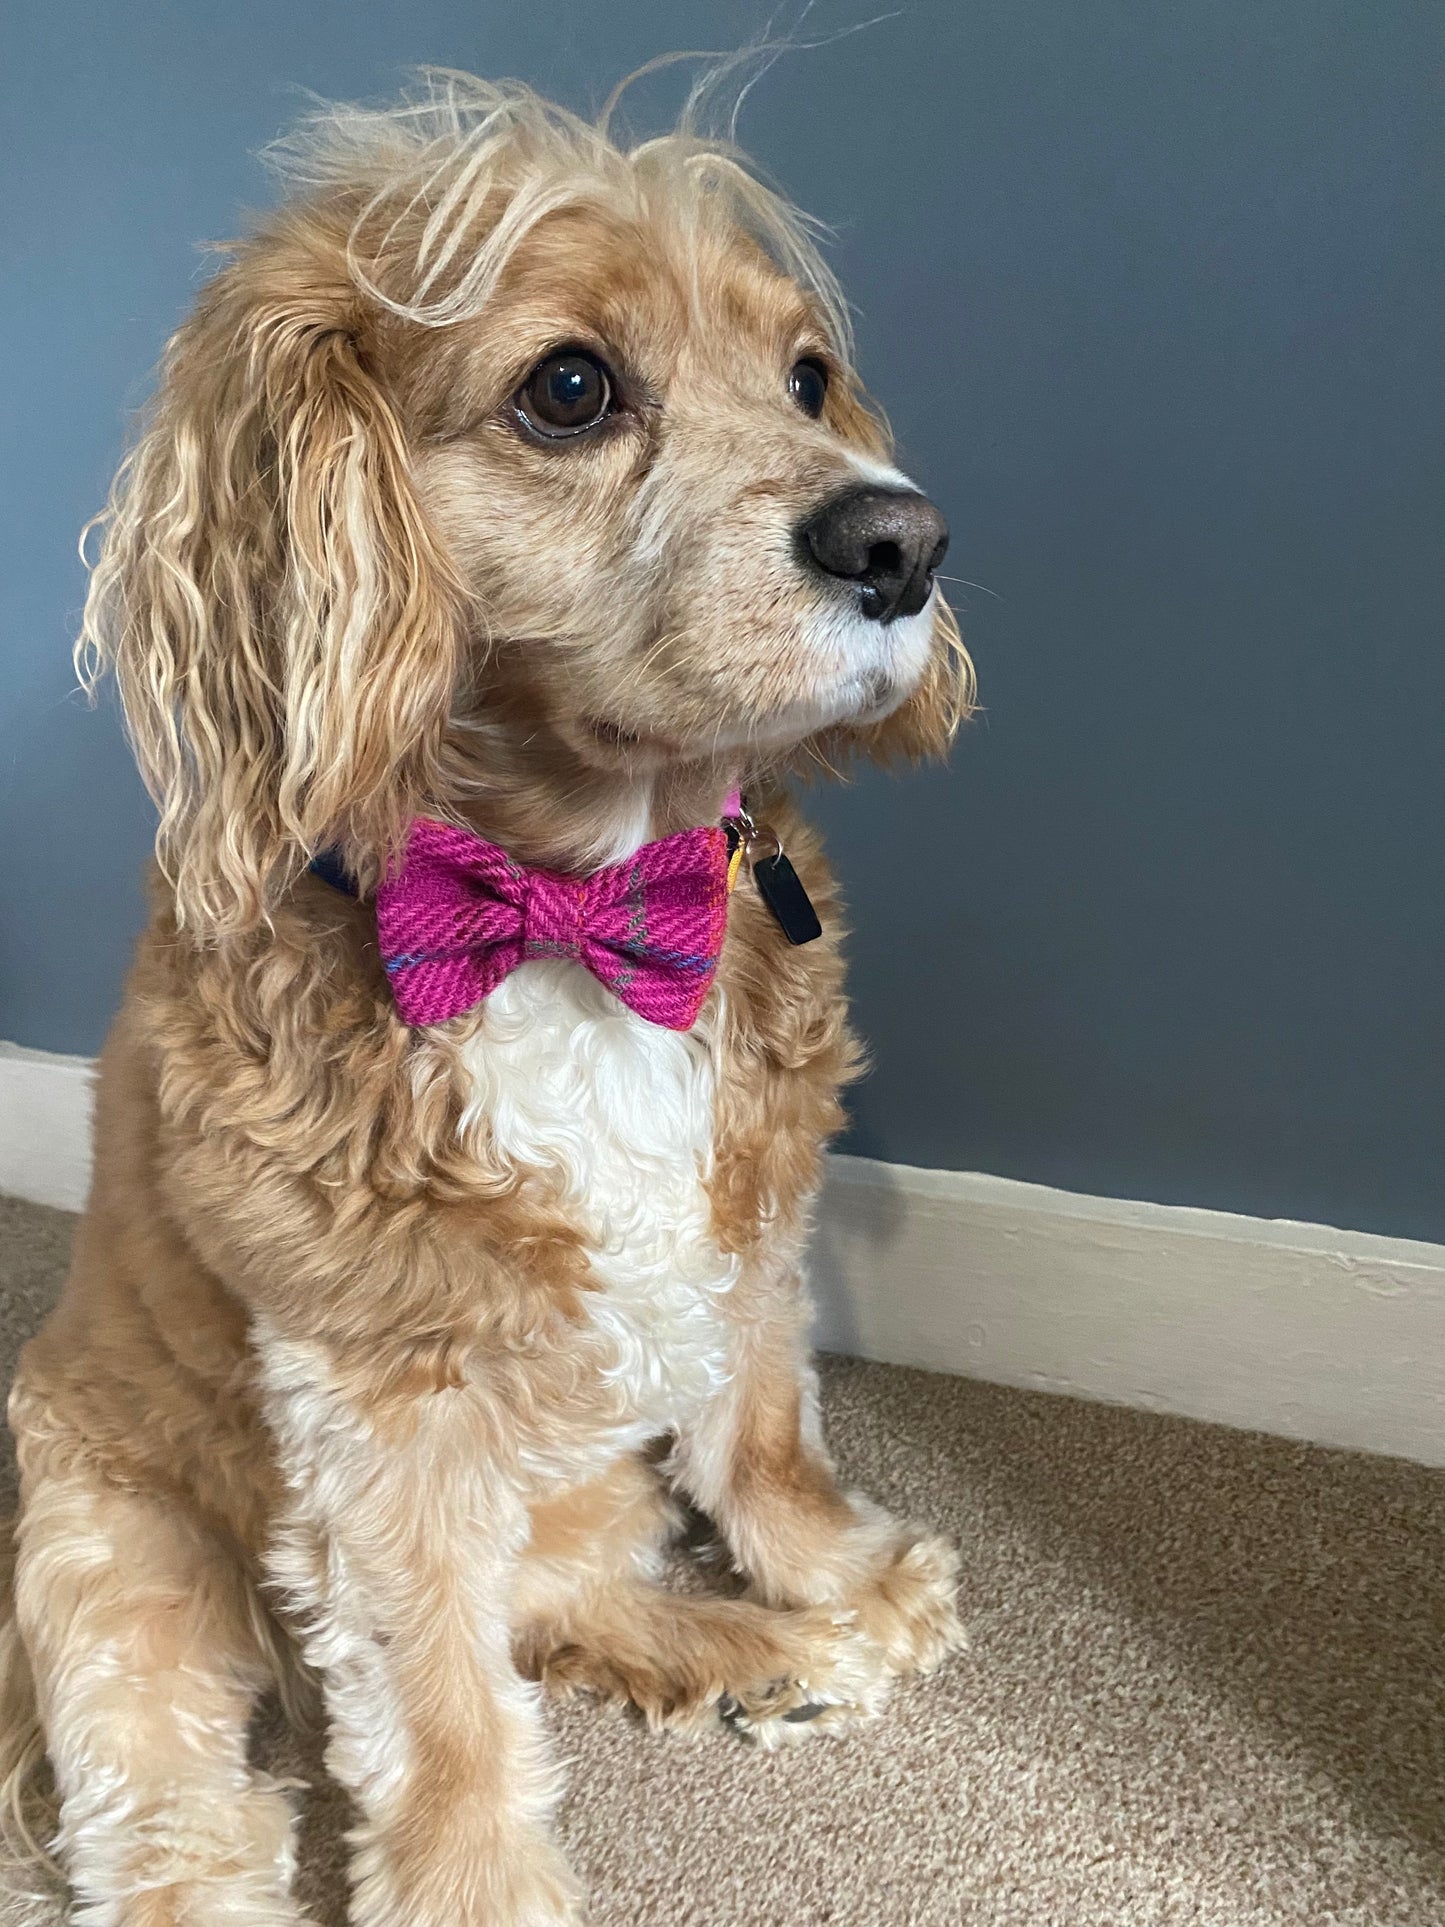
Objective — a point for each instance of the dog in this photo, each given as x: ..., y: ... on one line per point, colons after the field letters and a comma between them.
x: 509, y: 518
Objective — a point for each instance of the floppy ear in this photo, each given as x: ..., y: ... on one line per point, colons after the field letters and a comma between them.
x: 283, y: 627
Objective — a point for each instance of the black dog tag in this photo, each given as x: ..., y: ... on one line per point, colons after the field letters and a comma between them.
x: 782, y: 891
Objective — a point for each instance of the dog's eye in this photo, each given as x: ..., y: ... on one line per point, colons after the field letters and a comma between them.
x: 808, y: 385
x: 566, y: 394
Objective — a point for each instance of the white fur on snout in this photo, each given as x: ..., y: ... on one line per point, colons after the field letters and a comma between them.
x: 857, y: 655
x: 883, y: 474
x: 878, y: 664
x: 865, y: 668
x: 861, y: 671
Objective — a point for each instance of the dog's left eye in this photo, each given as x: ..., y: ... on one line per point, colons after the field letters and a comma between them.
x: 808, y: 385
x: 565, y: 395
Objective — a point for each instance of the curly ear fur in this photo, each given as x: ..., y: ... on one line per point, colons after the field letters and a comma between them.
x: 282, y: 625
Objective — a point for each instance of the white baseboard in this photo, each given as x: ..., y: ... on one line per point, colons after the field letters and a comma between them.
x: 45, y: 1112
x: 1333, y: 1336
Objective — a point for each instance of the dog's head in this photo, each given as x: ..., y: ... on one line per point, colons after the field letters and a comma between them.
x: 505, y: 470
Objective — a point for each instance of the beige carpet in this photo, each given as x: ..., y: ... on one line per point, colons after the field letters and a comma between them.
x: 1206, y: 1685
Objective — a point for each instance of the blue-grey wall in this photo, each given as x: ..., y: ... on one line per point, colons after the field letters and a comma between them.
x: 1154, y: 297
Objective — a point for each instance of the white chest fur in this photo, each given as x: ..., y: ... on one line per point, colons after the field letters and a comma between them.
x: 617, y: 1114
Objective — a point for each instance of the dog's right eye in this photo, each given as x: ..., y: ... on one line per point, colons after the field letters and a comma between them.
x: 565, y: 395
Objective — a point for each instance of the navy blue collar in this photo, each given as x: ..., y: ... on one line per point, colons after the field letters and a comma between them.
x: 327, y: 865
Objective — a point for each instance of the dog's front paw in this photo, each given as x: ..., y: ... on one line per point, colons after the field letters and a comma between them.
x: 840, y: 1679
x: 907, y: 1609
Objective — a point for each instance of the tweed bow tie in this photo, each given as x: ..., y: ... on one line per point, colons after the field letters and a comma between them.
x: 460, y: 916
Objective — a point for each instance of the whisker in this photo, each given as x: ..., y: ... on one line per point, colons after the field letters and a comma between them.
x: 964, y: 582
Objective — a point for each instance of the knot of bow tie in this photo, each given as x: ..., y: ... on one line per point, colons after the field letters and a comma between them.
x: 460, y: 915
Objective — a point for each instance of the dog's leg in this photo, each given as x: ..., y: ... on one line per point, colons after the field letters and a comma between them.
x: 398, y: 1554
x: 756, y: 1462
x: 141, y: 1635
x: 695, y: 1661
x: 591, y: 1615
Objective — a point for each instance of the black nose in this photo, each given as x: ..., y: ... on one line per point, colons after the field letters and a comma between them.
x: 887, y: 540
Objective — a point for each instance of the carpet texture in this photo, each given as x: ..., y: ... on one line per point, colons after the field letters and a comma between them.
x: 1206, y: 1684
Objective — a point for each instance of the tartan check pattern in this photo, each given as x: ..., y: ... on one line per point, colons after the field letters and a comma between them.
x: 460, y: 915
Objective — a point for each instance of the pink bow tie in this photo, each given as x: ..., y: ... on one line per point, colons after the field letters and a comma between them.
x: 460, y: 916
